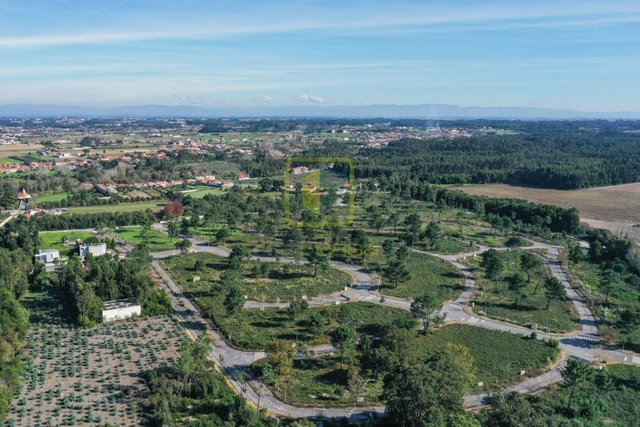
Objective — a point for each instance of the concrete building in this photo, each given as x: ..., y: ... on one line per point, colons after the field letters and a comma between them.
x: 95, y: 249
x: 48, y: 255
x: 120, y: 309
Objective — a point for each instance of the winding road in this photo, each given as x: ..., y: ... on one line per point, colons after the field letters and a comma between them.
x: 583, y: 345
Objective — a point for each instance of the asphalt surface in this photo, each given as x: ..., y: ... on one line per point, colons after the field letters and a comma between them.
x: 584, y: 345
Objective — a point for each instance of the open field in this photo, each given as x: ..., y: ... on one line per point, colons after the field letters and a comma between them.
x: 90, y: 376
x: 139, y: 193
x: 254, y: 328
x: 283, y: 282
x: 203, y: 191
x: 498, y: 358
x: 122, y: 207
x: 157, y: 240
x: 54, y: 241
x: 618, y: 205
x: 532, y: 304
x: 428, y: 275
x: 52, y: 197
x: 19, y: 149
x: 8, y: 161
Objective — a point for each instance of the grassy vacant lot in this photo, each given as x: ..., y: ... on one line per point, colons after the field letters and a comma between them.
x: 254, y: 327
x: 428, y: 275
x: 54, y: 240
x: 52, y: 197
x: 616, y: 203
x: 532, y: 305
x: 157, y: 240
x: 77, y: 376
x: 203, y: 191
x: 284, y: 282
x: 589, y: 275
x: 620, y: 405
x: 318, y: 381
x: 498, y: 357
x: 122, y: 207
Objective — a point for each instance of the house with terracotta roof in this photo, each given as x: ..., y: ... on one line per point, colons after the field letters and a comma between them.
x: 23, y: 195
x: 300, y: 169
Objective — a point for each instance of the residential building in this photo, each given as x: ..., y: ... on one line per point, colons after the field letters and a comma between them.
x: 48, y: 255
x: 95, y: 249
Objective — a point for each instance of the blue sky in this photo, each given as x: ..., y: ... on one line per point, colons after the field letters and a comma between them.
x: 555, y: 54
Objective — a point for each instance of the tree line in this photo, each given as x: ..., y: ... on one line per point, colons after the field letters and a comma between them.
x: 550, y: 160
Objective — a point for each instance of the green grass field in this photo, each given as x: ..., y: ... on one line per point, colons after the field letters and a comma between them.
x: 428, y: 275
x: 498, y: 358
x: 122, y: 207
x: 254, y: 327
x: 203, y: 191
x: 157, y: 240
x: 283, y: 283
x: 54, y: 240
x: 532, y: 307
x: 52, y: 197
x: 8, y: 161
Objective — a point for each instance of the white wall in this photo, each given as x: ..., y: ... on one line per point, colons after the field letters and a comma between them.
x: 120, y: 313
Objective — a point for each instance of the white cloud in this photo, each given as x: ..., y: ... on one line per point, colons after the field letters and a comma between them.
x: 309, y: 98
x: 198, y: 100
x: 265, y: 98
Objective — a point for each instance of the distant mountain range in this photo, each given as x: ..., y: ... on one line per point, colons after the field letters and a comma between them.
x: 423, y: 111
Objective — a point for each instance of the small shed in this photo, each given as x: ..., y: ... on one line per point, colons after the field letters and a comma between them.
x: 120, y: 309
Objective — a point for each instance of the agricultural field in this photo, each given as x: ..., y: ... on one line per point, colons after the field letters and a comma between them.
x: 428, y: 275
x: 532, y: 305
x: 203, y: 191
x: 19, y: 149
x: 498, y: 358
x: 157, y: 240
x: 138, y: 193
x: 8, y: 161
x: 90, y: 376
x: 52, y: 197
x: 283, y: 282
x: 121, y: 207
x: 54, y: 240
x: 618, y: 203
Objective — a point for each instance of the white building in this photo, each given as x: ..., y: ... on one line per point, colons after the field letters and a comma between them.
x: 48, y: 255
x: 120, y: 309
x: 95, y: 249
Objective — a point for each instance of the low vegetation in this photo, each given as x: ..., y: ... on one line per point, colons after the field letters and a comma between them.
x: 495, y: 295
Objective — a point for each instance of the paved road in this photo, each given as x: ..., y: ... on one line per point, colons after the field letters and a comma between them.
x: 584, y: 346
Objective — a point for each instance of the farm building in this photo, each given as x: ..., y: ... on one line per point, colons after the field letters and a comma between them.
x: 95, y: 249
x: 48, y: 255
x: 120, y: 309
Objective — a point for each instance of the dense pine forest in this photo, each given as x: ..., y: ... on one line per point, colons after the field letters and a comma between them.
x: 550, y: 160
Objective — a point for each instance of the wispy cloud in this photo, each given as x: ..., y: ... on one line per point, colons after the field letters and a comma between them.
x: 359, y: 17
x: 266, y: 98
x: 309, y: 98
x: 189, y: 100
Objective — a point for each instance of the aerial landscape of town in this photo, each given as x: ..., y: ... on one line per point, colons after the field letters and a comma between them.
x: 313, y: 214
